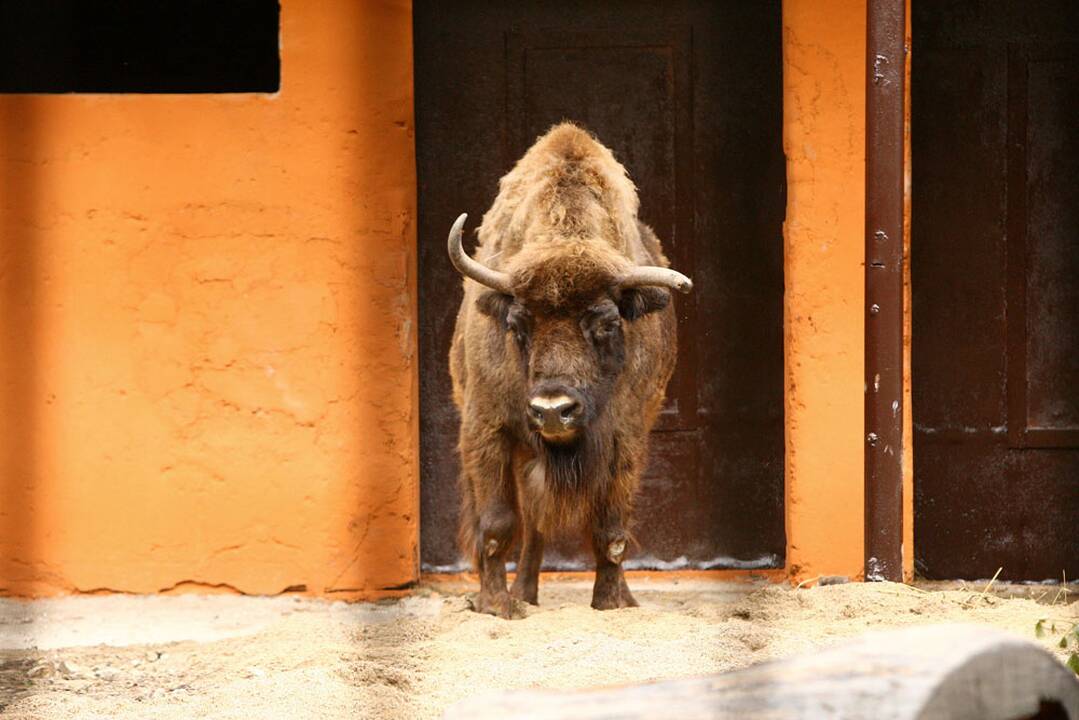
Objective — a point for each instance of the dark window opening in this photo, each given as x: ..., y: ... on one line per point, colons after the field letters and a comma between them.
x: 139, y: 46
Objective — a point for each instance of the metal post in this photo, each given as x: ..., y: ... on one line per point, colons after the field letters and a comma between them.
x: 885, y: 33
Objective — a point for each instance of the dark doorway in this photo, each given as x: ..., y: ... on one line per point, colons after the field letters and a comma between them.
x: 995, y: 272
x: 688, y: 95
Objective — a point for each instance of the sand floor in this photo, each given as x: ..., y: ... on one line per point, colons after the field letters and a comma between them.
x: 239, y: 657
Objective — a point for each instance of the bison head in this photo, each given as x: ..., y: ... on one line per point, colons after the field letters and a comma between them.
x: 567, y: 306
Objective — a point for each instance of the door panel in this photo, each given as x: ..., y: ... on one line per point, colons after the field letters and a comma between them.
x: 995, y: 274
x: 688, y: 96
x: 1043, y: 262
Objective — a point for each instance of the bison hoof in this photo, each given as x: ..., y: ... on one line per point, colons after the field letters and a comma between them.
x: 618, y: 597
x: 498, y: 604
x: 526, y: 594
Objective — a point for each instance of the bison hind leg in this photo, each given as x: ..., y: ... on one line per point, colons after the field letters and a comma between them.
x: 526, y: 584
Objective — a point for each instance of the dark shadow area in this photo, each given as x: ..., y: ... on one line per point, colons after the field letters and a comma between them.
x: 1050, y: 710
x: 19, y: 382
x: 138, y: 46
x: 379, y: 121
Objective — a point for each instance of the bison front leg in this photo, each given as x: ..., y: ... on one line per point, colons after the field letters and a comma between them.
x: 495, y: 537
x: 609, y: 543
x: 494, y: 524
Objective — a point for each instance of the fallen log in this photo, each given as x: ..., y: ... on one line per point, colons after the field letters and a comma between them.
x: 945, y: 672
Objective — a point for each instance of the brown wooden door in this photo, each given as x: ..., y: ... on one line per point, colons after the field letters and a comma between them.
x: 995, y: 271
x: 688, y: 96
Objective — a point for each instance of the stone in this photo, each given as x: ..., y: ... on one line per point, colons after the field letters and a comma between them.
x: 107, y: 673
x: 41, y: 670
x: 71, y: 670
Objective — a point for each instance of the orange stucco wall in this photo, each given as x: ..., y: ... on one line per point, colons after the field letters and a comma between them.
x: 824, y: 140
x: 207, y: 303
x: 207, y: 367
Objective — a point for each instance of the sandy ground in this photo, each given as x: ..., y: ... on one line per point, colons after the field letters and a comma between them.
x: 238, y: 657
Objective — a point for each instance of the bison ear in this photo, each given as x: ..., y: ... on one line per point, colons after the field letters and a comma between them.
x: 638, y: 302
x: 496, y: 305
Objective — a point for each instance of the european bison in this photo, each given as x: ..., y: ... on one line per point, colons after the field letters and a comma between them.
x: 564, y: 344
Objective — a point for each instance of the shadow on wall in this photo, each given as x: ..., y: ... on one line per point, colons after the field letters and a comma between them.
x: 19, y: 385
x: 380, y: 239
x: 382, y: 158
x: 18, y: 346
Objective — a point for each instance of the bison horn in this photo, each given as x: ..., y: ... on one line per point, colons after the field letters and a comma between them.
x: 470, y: 268
x: 656, y: 276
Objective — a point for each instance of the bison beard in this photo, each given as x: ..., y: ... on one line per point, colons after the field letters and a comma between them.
x: 565, y: 466
x: 575, y: 473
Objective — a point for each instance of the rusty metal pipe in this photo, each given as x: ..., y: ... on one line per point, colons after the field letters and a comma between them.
x: 883, y: 439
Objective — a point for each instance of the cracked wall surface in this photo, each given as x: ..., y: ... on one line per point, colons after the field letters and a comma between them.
x: 207, y: 368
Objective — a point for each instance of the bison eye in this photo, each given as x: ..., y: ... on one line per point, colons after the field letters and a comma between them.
x: 496, y: 305
x: 603, y: 327
x: 517, y: 322
x: 607, y: 328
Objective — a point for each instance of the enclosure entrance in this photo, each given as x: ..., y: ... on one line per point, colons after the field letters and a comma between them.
x: 995, y: 273
x: 688, y: 95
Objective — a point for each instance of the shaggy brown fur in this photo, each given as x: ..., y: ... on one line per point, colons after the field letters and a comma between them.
x: 564, y: 227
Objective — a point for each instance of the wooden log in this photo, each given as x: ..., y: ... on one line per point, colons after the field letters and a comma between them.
x: 945, y: 672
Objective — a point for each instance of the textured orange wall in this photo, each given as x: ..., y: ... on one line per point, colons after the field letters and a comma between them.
x: 824, y: 140
x: 207, y: 372
x: 207, y: 368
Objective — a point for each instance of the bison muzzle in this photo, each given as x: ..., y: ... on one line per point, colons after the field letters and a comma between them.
x: 564, y: 344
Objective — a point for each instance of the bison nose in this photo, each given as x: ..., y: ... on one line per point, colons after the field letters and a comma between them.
x: 554, y: 414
